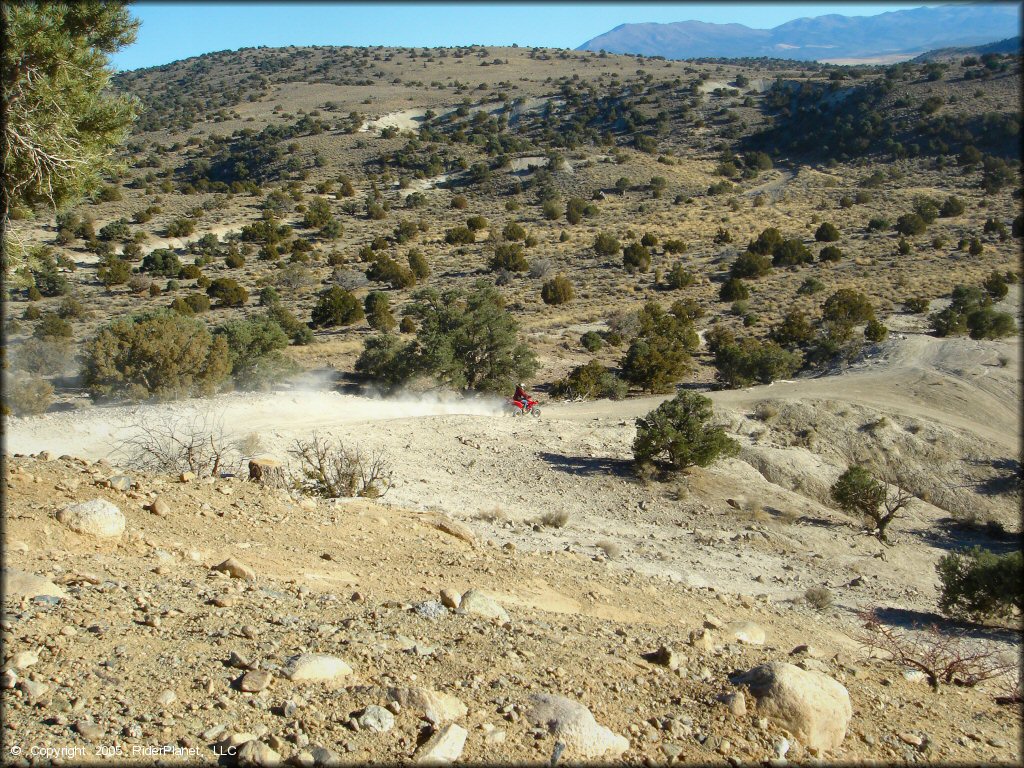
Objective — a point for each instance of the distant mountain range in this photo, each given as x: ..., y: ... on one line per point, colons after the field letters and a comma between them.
x: 829, y: 37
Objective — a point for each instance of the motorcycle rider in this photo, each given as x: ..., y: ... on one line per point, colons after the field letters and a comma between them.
x: 521, y: 396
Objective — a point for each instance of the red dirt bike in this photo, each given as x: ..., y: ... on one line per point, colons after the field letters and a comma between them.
x: 518, y: 409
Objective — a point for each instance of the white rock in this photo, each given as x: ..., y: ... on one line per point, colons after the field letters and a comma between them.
x: 812, y: 706
x: 445, y: 746
x: 477, y: 603
x: 745, y: 631
x: 376, y: 719
x: 236, y: 569
x: 450, y: 598
x: 24, y: 659
x: 257, y: 753
x: 436, y: 707
x: 313, y: 667
x: 97, y: 517
x: 574, y: 725
x: 18, y: 583
x: 166, y: 697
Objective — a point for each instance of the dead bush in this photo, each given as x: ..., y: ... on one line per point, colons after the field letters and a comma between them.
x: 173, y: 443
x: 334, y: 470
x: 944, y: 656
x: 820, y: 598
x: 28, y: 395
x: 555, y: 519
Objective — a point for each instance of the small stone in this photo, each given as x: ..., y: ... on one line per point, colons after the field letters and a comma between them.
x: 8, y: 680
x: 712, y: 622
x: 450, y: 598
x: 32, y: 689
x: 445, y: 746
x: 237, y: 661
x: 430, y: 609
x: 781, y: 748
x: 324, y: 756
x: 376, y: 719
x: 736, y: 702
x: 702, y: 640
x: 187, y: 476
x: 807, y: 650
x: 497, y: 736
x: 911, y: 739
x: 454, y: 528
x: 254, y: 681
x: 312, y: 667
x: 88, y: 730
x: 666, y: 657
x: 160, y: 507
x: 166, y: 698
x: 120, y: 482
x: 236, y: 569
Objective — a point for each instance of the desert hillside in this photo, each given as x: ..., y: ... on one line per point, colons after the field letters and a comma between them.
x: 266, y: 499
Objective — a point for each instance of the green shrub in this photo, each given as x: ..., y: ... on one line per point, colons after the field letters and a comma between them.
x: 877, y: 224
x: 28, y: 395
x: 679, y: 277
x: 53, y: 326
x: 744, y: 362
x: 875, y: 331
x: 44, y: 357
x: 336, y: 306
x: 827, y: 233
x: 514, y: 231
x: 254, y: 346
x: 162, y: 262
x: 459, y: 236
x: 378, y: 312
x: 589, y: 381
x: 750, y: 264
x: 418, y: 265
x: 995, y: 286
x: 234, y: 260
x: 558, y: 290
x: 911, y: 224
x: 180, y: 228
x: 660, y: 354
x: 476, y: 223
x: 856, y: 491
x: 674, y: 246
x: 464, y: 341
x: 227, y: 292
x: 987, y: 323
x: 847, y: 306
x: 734, y: 289
x: 606, y: 245
x: 384, y: 269
x: 795, y: 329
x: 917, y: 305
x: 296, y: 330
x: 791, y: 252
x: 636, y: 257
x: 979, y: 584
x: 509, y: 256
x: 679, y: 433
x: 113, y: 271
x: 591, y: 341
x: 952, y: 206
x: 830, y: 253
x: 158, y: 354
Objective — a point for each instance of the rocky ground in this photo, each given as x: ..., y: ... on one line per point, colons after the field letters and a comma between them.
x: 223, y: 621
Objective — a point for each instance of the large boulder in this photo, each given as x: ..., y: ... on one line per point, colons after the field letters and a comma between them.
x: 573, y: 724
x: 812, y: 706
x: 97, y: 517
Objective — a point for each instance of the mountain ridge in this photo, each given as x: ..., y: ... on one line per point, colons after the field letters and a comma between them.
x: 890, y: 33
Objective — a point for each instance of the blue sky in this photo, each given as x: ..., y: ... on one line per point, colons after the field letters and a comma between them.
x: 177, y: 30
